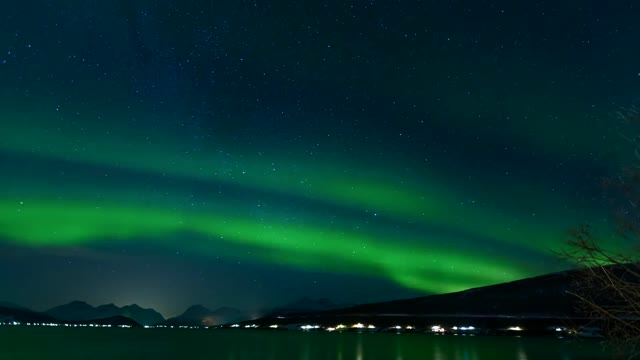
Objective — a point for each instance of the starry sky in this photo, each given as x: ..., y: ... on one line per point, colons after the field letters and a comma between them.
x: 249, y: 153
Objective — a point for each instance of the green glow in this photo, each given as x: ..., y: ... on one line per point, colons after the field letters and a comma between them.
x: 430, y: 262
x: 171, y: 144
x: 429, y: 202
x: 51, y: 223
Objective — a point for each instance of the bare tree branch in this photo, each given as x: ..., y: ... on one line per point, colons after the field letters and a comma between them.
x: 607, y: 285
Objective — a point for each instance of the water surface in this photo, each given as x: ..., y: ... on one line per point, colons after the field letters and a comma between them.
x: 65, y: 343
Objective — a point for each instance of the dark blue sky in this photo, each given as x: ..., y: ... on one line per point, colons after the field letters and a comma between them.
x: 250, y: 153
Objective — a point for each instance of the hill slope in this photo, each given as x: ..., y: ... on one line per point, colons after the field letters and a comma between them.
x: 21, y: 315
x: 542, y: 296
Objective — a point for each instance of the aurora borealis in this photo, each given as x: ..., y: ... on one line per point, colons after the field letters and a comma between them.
x: 250, y: 153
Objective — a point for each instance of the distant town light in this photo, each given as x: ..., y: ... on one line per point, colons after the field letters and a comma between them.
x: 341, y: 326
x: 514, y: 328
x: 331, y: 329
x: 409, y: 327
x: 371, y: 327
x: 273, y: 326
x: 437, y: 329
x: 358, y: 326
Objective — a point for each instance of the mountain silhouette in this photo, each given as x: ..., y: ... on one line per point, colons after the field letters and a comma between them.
x: 535, y: 302
x: 198, y: 315
x: 22, y: 315
x: 81, y: 311
x: 10, y: 305
x: 306, y: 304
x: 541, y: 296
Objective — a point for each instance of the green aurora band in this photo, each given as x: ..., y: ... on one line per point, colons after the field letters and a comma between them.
x: 431, y: 262
x: 73, y: 224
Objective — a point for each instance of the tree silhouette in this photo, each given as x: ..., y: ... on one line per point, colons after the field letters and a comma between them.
x: 608, y: 284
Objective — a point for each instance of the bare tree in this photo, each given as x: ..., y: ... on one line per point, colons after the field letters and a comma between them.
x: 608, y: 284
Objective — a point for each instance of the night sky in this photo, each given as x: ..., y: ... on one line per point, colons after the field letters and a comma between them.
x: 249, y: 153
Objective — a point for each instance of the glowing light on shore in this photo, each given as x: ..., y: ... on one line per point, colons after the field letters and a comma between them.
x: 309, y: 327
x: 437, y: 329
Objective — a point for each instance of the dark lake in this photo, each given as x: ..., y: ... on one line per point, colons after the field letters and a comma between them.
x: 61, y: 343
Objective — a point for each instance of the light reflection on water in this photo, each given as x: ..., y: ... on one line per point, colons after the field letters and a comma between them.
x: 360, y: 346
x: 398, y: 352
x: 340, y: 353
x: 522, y: 355
x: 306, y: 352
x: 282, y: 345
x: 463, y: 352
x: 437, y: 352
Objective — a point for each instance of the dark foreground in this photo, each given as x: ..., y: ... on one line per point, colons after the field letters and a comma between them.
x: 99, y: 343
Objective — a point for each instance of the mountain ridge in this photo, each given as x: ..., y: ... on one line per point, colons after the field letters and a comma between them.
x: 199, y: 315
x: 543, y: 299
x: 306, y: 304
x: 82, y: 311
